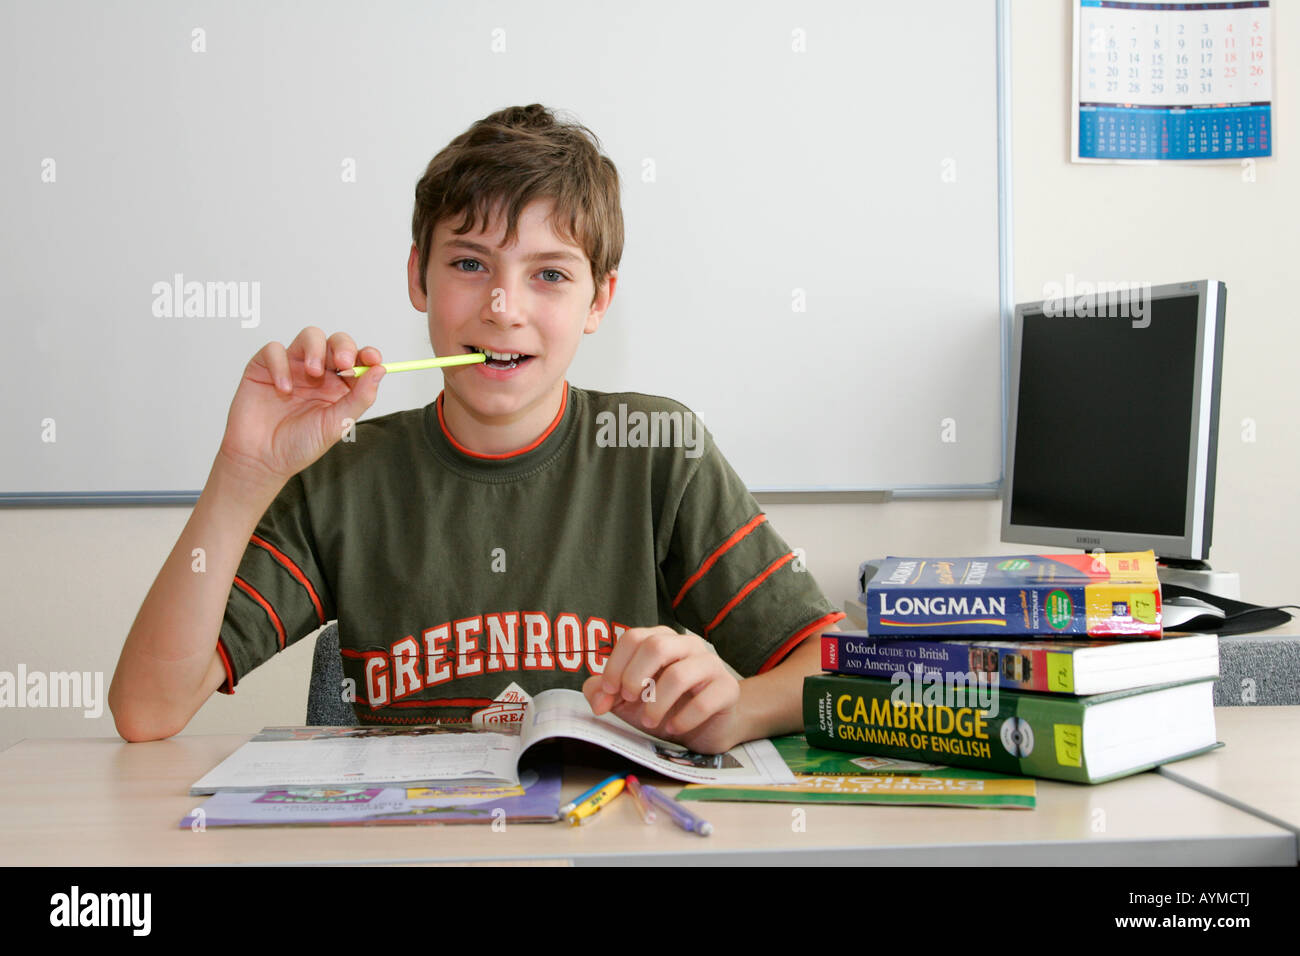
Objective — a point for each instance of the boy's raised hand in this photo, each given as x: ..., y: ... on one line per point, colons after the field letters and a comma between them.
x: 672, y: 686
x: 291, y: 407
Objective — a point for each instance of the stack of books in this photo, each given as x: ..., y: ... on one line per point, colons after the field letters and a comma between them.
x: 1049, y: 666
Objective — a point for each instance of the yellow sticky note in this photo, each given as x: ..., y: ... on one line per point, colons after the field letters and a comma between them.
x: 1060, y: 672
x: 1069, y: 744
x: 1142, y: 605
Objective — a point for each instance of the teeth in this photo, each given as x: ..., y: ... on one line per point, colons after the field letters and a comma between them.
x: 499, y: 356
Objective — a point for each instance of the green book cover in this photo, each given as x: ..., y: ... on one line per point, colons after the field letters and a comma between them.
x: 1037, y: 735
x: 803, y: 758
x: 831, y: 776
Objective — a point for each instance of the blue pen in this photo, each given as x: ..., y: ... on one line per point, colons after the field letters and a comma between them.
x: 569, y: 807
x: 680, y: 815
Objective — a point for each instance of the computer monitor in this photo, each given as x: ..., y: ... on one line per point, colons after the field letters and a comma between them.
x: 1113, y: 419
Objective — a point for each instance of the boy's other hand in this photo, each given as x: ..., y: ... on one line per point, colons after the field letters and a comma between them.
x: 672, y: 686
x: 291, y: 406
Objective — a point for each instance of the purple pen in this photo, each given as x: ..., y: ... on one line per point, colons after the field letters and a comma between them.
x: 680, y: 815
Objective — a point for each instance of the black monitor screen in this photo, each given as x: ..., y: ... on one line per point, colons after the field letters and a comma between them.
x: 1103, y: 427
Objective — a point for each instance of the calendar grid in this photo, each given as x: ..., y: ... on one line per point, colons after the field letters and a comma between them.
x: 1172, y: 81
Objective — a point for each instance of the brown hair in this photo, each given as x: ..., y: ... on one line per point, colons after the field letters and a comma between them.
x: 511, y: 158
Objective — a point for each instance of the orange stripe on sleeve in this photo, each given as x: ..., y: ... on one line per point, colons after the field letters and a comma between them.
x: 229, y: 686
x: 718, y: 552
x: 293, y: 570
x: 743, y: 593
x: 799, y: 637
x: 265, y: 605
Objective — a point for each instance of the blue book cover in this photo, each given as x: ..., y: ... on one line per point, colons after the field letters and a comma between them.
x: 1095, y: 595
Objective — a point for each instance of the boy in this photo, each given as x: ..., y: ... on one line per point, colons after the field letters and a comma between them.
x: 492, y: 544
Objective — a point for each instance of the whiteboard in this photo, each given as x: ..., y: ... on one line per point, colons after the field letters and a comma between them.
x: 815, y: 201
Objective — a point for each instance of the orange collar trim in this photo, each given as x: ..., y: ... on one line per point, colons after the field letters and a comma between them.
x: 442, y: 423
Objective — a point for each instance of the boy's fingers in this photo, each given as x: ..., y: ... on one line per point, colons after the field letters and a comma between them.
x: 633, y: 713
x: 712, y: 699
x: 277, y: 364
x: 341, y: 351
x: 309, y: 347
x: 630, y: 713
x: 363, y: 393
x: 354, y: 404
x: 612, y: 676
x: 600, y: 701
x: 652, y: 655
x: 673, y: 683
x: 346, y: 361
x: 368, y: 357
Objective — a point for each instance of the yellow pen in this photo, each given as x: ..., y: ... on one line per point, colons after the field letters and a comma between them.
x: 582, y: 812
x: 468, y: 358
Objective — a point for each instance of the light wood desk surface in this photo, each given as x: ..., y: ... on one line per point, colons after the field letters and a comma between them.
x: 100, y: 801
x: 1259, y: 768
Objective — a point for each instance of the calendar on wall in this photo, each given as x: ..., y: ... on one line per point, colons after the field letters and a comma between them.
x: 1172, y: 81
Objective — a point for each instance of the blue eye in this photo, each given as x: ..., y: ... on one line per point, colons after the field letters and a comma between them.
x: 560, y: 276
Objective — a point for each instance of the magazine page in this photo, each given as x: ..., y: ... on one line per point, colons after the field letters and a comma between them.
x: 536, y: 799
x: 566, y: 713
x: 341, y: 757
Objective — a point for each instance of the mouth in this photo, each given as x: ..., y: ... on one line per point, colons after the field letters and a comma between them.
x: 500, y: 360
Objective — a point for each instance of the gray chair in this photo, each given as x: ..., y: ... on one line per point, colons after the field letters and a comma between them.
x: 1261, y: 669
x: 325, y: 704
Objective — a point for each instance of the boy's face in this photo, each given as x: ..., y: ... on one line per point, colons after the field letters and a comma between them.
x: 535, y: 298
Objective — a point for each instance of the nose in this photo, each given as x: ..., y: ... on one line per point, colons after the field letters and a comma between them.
x: 504, y: 307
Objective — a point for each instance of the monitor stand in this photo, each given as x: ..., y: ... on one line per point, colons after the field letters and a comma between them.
x: 1199, y: 575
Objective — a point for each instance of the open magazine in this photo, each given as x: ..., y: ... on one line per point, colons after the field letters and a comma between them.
x: 432, y: 754
x: 535, y: 800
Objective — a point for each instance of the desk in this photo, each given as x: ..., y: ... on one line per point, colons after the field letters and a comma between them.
x: 1258, y: 770
x: 87, y: 802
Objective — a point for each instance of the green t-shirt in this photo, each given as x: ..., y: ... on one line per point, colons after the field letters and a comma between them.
x: 459, y: 580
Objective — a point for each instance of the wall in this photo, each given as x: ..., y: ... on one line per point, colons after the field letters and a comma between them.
x: 74, y: 579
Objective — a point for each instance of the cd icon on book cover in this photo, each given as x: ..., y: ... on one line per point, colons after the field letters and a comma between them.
x: 1017, y: 737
